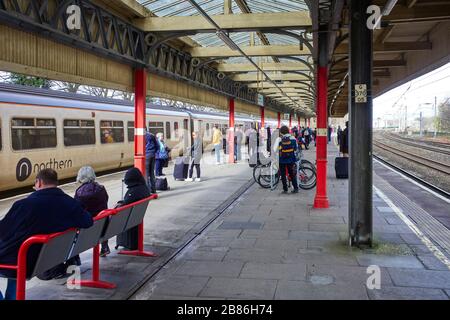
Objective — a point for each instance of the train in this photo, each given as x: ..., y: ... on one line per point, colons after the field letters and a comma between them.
x: 41, y: 128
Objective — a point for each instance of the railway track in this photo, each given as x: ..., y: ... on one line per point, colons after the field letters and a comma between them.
x: 439, y: 147
x: 432, y: 164
x: 414, y: 177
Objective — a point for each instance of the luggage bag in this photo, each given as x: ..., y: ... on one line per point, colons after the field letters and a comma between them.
x: 341, y: 167
x: 180, y: 170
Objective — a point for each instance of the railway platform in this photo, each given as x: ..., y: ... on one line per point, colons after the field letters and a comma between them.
x: 276, y: 246
x: 227, y: 238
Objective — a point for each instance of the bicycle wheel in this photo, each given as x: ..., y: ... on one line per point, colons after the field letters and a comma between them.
x: 308, y: 164
x: 306, y: 178
x: 267, y: 177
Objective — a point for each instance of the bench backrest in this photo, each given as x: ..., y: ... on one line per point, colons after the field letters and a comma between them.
x: 54, y: 252
x: 75, y: 241
x: 137, y: 215
x: 88, y: 238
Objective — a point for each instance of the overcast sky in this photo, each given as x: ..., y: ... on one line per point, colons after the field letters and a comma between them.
x: 417, y: 94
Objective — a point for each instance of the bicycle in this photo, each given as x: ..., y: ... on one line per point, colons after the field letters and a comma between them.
x: 267, y: 175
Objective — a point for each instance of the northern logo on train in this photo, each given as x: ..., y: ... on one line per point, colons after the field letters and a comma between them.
x: 23, y: 169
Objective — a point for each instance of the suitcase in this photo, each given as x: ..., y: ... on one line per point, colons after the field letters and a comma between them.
x: 180, y: 170
x: 341, y: 167
x: 161, y: 184
x: 128, y: 239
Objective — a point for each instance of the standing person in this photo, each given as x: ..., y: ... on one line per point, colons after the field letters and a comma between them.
x: 239, y: 139
x: 45, y: 211
x: 329, y: 133
x: 151, y: 146
x: 307, y: 136
x: 339, y: 133
x: 217, y: 141
x: 343, y: 147
x: 314, y: 134
x: 93, y: 197
x: 287, y: 148
x: 161, y: 155
x: 137, y: 189
x: 196, y: 156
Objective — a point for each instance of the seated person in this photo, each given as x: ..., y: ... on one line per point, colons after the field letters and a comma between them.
x: 45, y: 211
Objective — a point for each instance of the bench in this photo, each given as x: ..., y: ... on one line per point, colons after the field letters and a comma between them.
x: 59, y: 247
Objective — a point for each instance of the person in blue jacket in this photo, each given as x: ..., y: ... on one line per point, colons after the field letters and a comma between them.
x: 287, y: 148
x: 45, y: 211
x: 151, y: 146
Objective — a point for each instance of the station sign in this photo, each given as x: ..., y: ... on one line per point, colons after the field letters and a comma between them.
x: 286, y: 116
x: 260, y: 100
x: 360, y: 93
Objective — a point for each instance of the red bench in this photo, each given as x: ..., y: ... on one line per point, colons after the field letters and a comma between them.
x: 59, y: 247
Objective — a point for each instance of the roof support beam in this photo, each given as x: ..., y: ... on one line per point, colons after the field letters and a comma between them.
x: 402, y: 14
x: 252, y: 51
x: 286, y: 84
x: 249, y: 77
x: 390, y: 47
x: 269, y: 66
x: 230, y: 22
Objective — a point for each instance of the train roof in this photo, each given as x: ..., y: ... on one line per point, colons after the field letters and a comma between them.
x: 43, y: 97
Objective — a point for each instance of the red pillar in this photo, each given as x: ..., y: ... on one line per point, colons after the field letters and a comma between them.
x: 298, y: 120
x: 279, y: 119
x: 140, y: 93
x: 262, y: 117
x: 321, y: 199
x: 305, y: 122
x: 290, y: 121
x: 140, y: 90
x: 231, y: 131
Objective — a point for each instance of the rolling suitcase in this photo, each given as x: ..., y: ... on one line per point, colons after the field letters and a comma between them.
x: 341, y: 167
x: 180, y: 170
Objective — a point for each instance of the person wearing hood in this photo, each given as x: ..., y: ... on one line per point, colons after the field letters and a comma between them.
x: 93, y: 197
x: 137, y: 189
x: 45, y: 211
x: 287, y: 153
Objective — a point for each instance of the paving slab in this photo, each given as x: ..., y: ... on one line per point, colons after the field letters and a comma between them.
x: 420, y: 278
x: 255, y: 289
x: 402, y: 293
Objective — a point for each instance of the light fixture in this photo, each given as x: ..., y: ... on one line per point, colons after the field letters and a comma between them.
x: 226, y: 39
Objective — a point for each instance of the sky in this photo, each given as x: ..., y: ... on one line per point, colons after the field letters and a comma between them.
x: 418, y: 95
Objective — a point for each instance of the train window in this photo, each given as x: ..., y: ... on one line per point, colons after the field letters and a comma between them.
x: 79, y: 132
x: 111, y: 131
x: 207, y: 129
x: 168, y: 133
x: 185, y: 124
x: 155, y: 127
x: 32, y: 133
x: 130, y: 128
x: 175, y: 129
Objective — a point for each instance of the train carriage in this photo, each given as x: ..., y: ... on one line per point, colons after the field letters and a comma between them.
x: 47, y: 129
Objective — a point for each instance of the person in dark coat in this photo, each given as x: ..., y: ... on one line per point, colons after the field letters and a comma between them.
x: 343, y: 147
x: 45, y: 211
x: 151, y: 146
x: 137, y: 190
x: 93, y: 197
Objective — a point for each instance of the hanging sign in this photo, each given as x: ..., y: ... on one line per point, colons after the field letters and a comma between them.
x: 260, y: 100
x: 360, y: 93
x: 286, y: 116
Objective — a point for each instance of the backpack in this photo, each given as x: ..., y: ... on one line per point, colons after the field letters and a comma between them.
x: 287, y: 148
